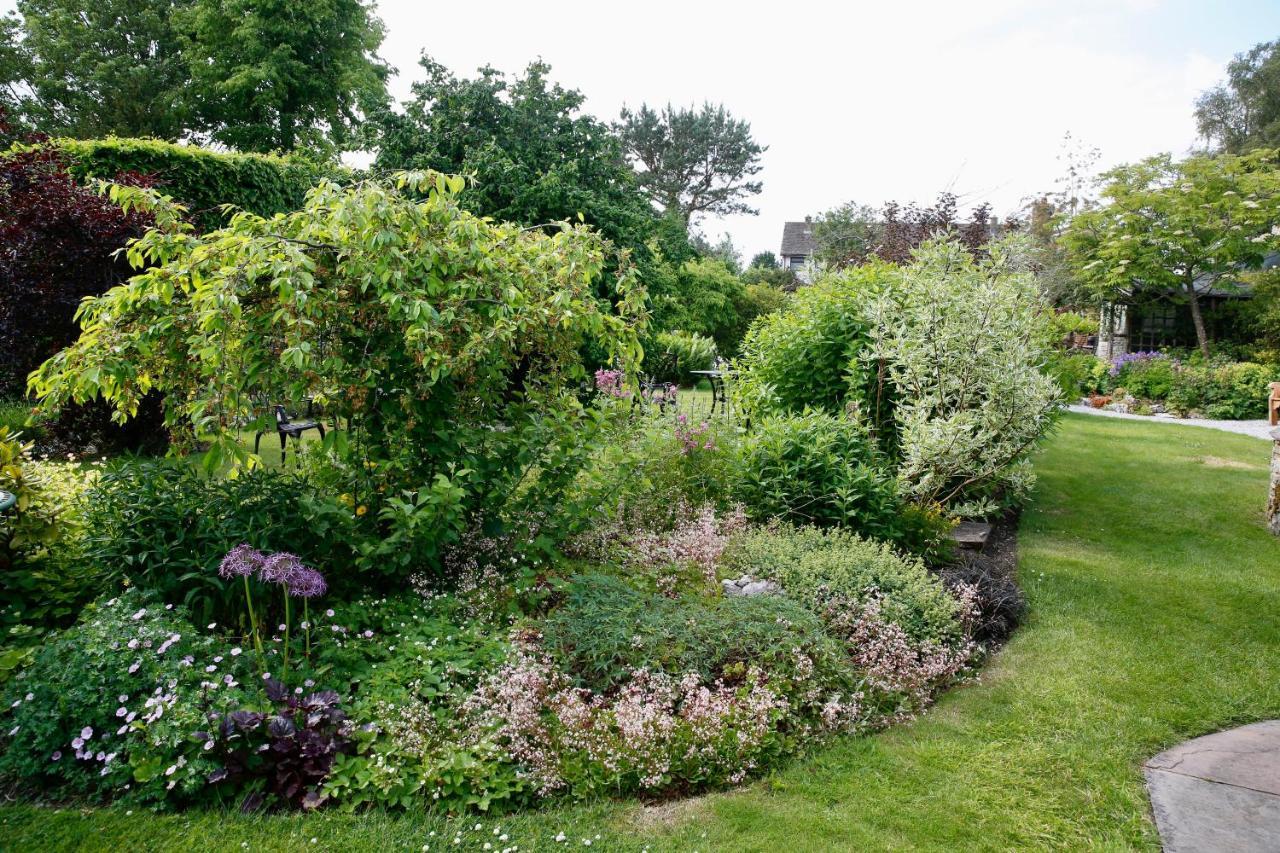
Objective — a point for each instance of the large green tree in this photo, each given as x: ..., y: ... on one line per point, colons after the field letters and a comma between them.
x: 695, y: 161
x: 1243, y: 112
x: 1179, y: 229
x: 534, y: 157
x: 80, y: 68
x: 275, y: 74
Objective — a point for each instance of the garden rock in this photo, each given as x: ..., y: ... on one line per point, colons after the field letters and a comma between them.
x: 748, y: 586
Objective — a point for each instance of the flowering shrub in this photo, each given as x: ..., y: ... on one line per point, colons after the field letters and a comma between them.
x: 901, y: 674
x: 612, y: 383
x: 1145, y: 375
x: 647, y: 477
x: 110, y: 706
x: 693, y: 438
x: 697, y: 543
x: 1124, y: 360
x: 656, y: 733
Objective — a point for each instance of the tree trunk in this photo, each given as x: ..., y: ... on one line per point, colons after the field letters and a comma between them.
x: 1202, y: 337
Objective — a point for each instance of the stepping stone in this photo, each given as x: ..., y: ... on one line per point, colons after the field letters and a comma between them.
x: 1219, y: 792
x: 971, y: 534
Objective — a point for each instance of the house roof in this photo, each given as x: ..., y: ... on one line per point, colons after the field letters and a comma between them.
x: 797, y: 239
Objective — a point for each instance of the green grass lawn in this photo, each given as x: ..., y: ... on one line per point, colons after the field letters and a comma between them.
x: 1155, y: 617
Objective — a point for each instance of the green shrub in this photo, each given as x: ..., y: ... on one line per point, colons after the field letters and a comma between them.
x: 817, y: 468
x: 1233, y: 391
x: 818, y: 567
x: 808, y: 355
x: 109, y: 706
x: 1078, y: 374
x: 201, y: 179
x: 43, y: 579
x: 166, y: 528
x: 1150, y: 378
x: 675, y: 355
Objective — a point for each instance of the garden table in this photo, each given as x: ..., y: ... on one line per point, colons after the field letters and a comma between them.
x: 7, y: 500
x: 717, y: 388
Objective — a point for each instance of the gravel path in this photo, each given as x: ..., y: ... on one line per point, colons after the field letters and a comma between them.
x: 1257, y: 429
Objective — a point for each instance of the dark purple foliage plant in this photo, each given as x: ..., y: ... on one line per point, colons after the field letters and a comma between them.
x: 281, y: 757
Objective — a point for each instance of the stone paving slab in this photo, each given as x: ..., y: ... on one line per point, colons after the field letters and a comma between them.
x: 1219, y: 792
x: 1257, y: 429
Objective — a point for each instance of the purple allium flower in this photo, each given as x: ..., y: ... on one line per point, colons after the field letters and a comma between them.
x: 240, y: 562
x: 280, y: 568
x: 307, y: 583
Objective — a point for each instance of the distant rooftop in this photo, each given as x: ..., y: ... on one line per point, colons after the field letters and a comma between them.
x: 797, y: 239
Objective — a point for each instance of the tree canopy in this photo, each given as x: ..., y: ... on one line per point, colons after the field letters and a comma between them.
x: 1178, y: 229
x: 256, y: 75
x: 531, y: 154
x: 695, y: 161
x: 1243, y: 112
x: 79, y: 68
x: 268, y: 75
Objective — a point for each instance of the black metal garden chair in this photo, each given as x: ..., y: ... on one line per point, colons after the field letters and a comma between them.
x: 288, y: 428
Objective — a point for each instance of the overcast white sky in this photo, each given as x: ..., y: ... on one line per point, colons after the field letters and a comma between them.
x: 868, y: 100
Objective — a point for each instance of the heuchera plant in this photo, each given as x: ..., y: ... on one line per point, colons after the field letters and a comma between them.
x: 285, y: 755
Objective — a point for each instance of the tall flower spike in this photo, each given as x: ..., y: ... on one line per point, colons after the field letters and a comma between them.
x: 280, y: 568
x: 307, y: 583
x: 240, y: 562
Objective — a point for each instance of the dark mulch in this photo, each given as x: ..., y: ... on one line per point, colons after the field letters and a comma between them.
x: 994, y: 571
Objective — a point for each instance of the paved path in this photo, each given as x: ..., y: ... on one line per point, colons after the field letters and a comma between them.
x: 1257, y: 429
x: 1219, y: 792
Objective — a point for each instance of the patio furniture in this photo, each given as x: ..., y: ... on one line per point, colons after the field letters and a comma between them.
x: 7, y: 500
x: 1273, y: 404
x: 288, y: 428
x: 716, y: 378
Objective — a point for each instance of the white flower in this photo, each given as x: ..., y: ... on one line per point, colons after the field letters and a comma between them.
x: 87, y: 733
x: 235, y: 652
x: 135, y: 617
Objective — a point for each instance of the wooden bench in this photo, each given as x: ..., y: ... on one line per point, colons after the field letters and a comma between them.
x: 1273, y: 404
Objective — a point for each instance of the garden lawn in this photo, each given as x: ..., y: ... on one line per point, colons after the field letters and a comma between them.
x: 1155, y: 617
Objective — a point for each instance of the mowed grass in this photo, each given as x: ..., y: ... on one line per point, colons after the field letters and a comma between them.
x: 1155, y: 617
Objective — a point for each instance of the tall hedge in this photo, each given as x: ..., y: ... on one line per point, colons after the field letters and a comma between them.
x: 199, y: 178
